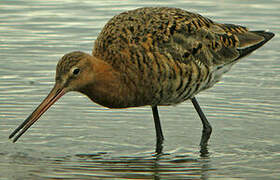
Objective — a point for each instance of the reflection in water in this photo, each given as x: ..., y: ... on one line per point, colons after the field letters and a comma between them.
x: 204, y: 153
x: 98, y: 165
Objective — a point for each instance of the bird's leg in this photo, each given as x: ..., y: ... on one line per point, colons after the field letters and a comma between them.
x: 159, y: 134
x: 207, y: 129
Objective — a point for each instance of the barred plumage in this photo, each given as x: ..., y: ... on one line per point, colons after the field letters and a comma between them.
x: 152, y: 56
x: 171, y: 54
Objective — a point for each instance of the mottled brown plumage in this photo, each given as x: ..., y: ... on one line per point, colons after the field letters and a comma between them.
x: 152, y: 56
x: 167, y: 55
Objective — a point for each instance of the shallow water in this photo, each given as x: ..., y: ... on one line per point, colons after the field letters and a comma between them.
x: 77, y: 139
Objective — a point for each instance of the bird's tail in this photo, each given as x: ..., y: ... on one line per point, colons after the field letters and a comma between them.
x: 251, y: 41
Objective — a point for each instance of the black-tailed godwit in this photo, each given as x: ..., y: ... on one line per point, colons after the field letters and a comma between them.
x: 152, y: 56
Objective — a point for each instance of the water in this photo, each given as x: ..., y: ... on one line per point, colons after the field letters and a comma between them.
x: 77, y: 139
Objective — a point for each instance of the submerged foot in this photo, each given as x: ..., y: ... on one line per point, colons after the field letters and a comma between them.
x: 206, y: 133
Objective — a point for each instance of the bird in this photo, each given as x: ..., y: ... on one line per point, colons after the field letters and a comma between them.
x: 152, y: 56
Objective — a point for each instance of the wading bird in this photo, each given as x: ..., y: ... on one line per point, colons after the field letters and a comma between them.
x: 152, y: 56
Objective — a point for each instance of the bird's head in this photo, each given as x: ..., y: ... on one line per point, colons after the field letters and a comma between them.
x: 74, y: 71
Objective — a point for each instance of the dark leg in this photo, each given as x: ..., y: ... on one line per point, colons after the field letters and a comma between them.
x: 207, y: 129
x: 158, y: 130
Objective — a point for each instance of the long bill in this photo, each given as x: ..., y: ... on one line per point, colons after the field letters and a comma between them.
x: 52, y: 97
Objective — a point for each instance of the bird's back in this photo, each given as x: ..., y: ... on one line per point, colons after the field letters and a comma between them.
x: 168, y: 55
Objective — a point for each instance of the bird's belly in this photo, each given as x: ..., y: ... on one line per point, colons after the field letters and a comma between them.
x: 176, y: 96
x: 190, y: 89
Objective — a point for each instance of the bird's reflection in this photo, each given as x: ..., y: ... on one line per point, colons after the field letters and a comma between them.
x: 203, y: 148
x: 147, y: 166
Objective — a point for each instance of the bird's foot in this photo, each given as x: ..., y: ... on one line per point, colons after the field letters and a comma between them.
x: 206, y: 133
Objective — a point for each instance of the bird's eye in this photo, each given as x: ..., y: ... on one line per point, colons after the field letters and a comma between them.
x: 76, y: 71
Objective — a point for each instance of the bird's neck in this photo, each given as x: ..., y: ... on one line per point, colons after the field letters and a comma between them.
x: 108, y: 88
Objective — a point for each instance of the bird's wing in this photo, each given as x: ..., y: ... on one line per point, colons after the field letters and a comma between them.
x: 213, y: 44
x: 181, y: 35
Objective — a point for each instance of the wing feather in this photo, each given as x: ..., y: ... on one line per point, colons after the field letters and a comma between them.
x: 176, y: 33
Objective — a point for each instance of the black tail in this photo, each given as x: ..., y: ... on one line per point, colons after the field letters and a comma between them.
x: 246, y: 51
